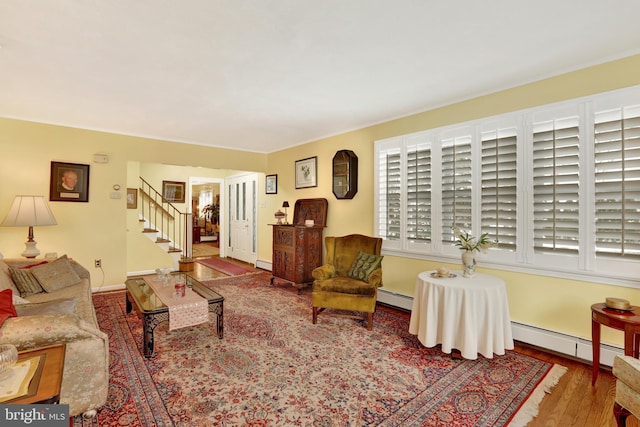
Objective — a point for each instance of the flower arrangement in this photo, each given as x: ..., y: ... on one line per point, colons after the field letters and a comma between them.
x: 467, y: 242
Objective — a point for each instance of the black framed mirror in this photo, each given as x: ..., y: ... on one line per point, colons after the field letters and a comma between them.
x: 345, y: 174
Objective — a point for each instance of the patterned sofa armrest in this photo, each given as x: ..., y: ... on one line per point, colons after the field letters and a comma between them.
x: 26, y: 332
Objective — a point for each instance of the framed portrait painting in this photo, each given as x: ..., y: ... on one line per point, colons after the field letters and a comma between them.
x: 69, y: 182
x: 272, y: 184
x: 307, y: 172
x: 173, y: 191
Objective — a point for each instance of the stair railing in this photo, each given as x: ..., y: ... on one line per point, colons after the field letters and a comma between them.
x: 161, y: 216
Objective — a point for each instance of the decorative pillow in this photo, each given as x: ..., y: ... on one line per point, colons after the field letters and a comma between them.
x: 25, y: 281
x: 56, y: 275
x: 6, y: 282
x: 7, y: 308
x: 364, y: 265
x: 58, y: 306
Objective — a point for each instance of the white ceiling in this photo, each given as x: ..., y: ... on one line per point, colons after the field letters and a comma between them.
x: 262, y: 75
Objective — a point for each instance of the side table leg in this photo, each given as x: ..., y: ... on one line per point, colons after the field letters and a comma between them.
x: 595, y: 345
x: 128, y: 302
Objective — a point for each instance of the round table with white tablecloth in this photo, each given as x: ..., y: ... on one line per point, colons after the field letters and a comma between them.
x: 467, y: 314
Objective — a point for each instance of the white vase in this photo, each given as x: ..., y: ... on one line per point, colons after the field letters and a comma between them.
x: 468, y: 264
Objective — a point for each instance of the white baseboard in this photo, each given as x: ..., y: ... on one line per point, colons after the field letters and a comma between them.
x: 264, y: 265
x: 555, y: 341
x: 395, y: 299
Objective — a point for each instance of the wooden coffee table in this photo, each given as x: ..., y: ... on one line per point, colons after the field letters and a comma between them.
x: 154, y: 312
x: 45, y: 385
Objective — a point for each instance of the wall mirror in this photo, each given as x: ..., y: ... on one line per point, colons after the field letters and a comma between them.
x: 345, y: 174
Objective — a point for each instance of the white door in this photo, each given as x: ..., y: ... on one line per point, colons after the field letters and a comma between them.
x: 240, y: 241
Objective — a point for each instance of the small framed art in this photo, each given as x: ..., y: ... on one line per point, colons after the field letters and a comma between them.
x: 132, y: 198
x: 307, y: 172
x: 272, y: 184
x: 173, y: 191
x: 69, y: 182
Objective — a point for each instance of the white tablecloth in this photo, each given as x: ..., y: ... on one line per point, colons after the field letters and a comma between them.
x: 470, y: 315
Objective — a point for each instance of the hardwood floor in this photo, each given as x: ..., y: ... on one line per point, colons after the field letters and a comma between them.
x: 572, y: 402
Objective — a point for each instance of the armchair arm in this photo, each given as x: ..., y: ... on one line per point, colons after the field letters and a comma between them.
x: 324, y: 272
x: 375, y: 278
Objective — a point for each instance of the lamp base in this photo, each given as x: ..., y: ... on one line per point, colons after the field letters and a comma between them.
x: 31, y: 251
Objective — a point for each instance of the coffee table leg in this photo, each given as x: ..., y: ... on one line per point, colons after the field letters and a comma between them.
x: 218, y: 309
x: 148, y: 325
x: 128, y: 302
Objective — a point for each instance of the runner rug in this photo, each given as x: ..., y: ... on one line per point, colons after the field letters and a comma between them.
x: 224, y: 266
x: 275, y: 368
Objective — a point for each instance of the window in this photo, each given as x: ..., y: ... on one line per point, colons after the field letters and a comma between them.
x: 617, y: 182
x: 558, y: 187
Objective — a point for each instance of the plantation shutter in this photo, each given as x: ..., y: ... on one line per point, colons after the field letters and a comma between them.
x: 617, y: 181
x: 418, y: 194
x: 390, y: 189
x: 499, y: 186
x: 555, y: 185
x: 456, y: 185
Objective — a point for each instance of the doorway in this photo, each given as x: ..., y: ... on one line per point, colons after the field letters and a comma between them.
x: 206, y: 207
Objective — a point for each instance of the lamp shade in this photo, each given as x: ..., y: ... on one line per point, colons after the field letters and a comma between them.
x: 285, y: 204
x: 29, y: 211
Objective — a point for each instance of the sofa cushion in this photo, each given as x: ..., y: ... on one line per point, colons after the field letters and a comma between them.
x: 56, y: 275
x: 364, y: 265
x: 7, y: 309
x: 58, y: 306
x: 6, y: 282
x: 25, y: 281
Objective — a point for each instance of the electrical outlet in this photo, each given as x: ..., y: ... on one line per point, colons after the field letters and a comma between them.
x: 98, y: 263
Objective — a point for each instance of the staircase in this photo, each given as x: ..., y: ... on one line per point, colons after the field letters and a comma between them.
x: 164, y: 224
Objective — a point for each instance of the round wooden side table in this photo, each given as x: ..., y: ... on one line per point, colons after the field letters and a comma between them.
x: 627, y: 321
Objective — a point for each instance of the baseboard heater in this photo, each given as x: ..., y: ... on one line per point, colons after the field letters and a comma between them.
x: 561, y: 343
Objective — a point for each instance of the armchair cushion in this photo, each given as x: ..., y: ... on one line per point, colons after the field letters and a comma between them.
x: 364, y: 265
x: 345, y: 285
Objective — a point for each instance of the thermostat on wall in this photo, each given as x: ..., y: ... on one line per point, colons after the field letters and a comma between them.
x: 100, y: 158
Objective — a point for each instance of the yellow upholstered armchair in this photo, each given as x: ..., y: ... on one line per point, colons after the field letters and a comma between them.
x: 350, y: 279
x: 626, y: 369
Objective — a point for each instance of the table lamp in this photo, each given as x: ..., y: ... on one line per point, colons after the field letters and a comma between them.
x: 29, y: 211
x: 285, y: 205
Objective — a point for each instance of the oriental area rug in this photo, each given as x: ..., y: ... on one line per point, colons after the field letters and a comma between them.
x: 227, y: 267
x: 275, y: 368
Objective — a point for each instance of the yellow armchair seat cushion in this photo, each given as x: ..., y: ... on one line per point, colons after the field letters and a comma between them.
x: 344, y: 285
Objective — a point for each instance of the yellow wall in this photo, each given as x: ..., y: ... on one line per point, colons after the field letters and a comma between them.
x: 550, y: 303
x: 99, y: 229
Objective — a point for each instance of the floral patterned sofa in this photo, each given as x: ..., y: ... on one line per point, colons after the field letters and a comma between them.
x: 53, y: 304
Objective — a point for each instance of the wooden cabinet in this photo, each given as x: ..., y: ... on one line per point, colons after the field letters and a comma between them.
x: 297, y: 249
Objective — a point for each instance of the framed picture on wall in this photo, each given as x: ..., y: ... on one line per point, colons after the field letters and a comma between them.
x: 69, y: 182
x: 173, y: 191
x: 132, y: 198
x: 272, y: 184
x: 307, y: 172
